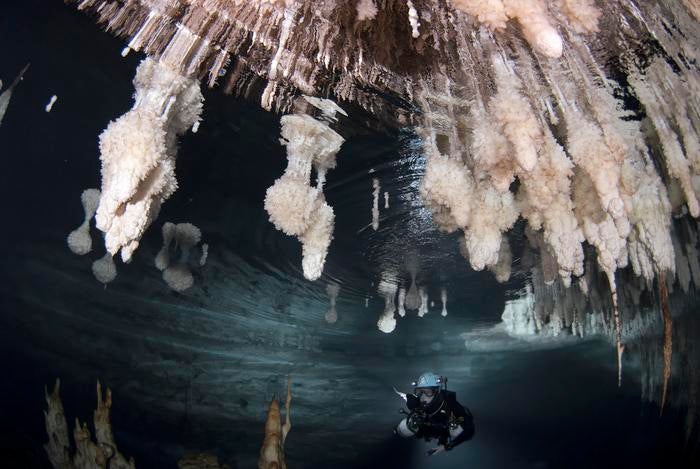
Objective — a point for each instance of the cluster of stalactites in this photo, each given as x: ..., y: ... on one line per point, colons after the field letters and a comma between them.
x: 638, y: 310
x: 295, y: 206
x: 399, y: 299
x: 584, y: 169
x: 317, y: 48
x: 138, y: 151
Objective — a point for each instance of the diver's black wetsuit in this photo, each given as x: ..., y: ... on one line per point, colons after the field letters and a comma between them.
x: 435, y: 420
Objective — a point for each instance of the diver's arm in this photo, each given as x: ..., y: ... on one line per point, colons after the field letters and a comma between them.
x: 459, y: 412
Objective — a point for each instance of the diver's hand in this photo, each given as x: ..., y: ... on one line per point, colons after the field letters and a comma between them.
x: 436, y: 450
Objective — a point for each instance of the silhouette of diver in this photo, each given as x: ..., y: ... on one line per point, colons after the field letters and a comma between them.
x: 434, y: 413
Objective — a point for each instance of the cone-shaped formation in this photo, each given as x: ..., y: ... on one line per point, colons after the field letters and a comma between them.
x: 272, y: 451
x: 88, y: 454
x: 7, y: 94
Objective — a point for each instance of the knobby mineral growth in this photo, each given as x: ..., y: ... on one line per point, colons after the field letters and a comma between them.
x: 580, y: 117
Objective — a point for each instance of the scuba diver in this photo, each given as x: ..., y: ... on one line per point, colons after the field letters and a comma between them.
x: 433, y: 412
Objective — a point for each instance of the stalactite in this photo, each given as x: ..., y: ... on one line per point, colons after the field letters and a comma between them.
x: 668, y: 338
x: 443, y: 299
x: 185, y: 237
x: 104, y: 269
x: 295, y: 206
x: 7, y: 94
x: 375, y: 204
x: 79, y: 240
x: 387, y: 289
x: 138, y: 154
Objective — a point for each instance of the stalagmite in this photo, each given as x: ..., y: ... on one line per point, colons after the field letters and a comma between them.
x: 295, y: 206
x: 138, y: 154
x: 89, y: 454
x: 332, y: 289
x: 272, y: 451
x: 386, y: 200
x: 79, y: 240
x: 58, y: 446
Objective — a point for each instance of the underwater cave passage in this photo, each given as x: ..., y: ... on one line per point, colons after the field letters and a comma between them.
x: 362, y: 234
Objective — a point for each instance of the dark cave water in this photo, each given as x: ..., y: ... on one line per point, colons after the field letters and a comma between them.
x: 195, y: 371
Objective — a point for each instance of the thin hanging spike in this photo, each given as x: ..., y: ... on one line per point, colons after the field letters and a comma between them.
x: 668, y: 338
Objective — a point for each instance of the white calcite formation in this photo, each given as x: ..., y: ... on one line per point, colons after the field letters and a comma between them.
x: 401, y: 305
x: 375, y: 204
x: 138, y: 151
x: 443, y: 300
x: 175, y: 258
x: 104, y: 269
x: 387, y: 288
x: 520, y: 111
x: 295, y: 206
x: 79, y: 240
x: 423, y: 308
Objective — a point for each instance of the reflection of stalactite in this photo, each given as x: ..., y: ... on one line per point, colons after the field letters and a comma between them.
x: 668, y: 337
x: 102, y: 453
x: 272, y: 451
